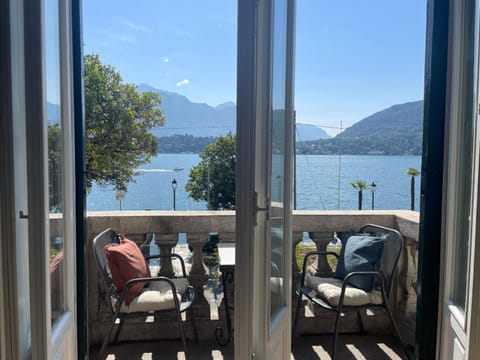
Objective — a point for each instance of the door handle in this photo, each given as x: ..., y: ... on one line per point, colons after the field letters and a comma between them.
x: 22, y: 215
x: 259, y: 208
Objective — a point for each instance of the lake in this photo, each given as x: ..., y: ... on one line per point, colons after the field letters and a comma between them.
x: 323, y: 182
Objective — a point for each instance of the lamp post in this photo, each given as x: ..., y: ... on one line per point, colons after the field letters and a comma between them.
x: 174, y: 188
x: 373, y: 187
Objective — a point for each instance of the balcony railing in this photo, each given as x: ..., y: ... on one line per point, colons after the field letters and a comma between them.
x: 209, y: 312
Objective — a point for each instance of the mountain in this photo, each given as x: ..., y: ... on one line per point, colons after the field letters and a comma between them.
x: 53, y: 113
x: 403, y: 119
x: 196, y: 119
x: 306, y: 132
x: 188, y: 118
x: 226, y: 105
x: 393, y: 131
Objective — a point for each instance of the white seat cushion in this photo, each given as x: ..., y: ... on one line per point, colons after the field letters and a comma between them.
x: 276, y: 285
x: 329, y: 289
x: 156, y: 296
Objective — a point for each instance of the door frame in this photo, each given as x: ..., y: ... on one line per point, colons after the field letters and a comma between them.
x: 429, y: 250
x: 244, y: 225
x: 80, y: 182
x: 9, y: 312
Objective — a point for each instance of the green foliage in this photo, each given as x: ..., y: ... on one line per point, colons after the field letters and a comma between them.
x: 176, y: 144
x: 413, y: 172
x: 55, y: 188
x: 360, y: 185
x: 118, y: 123
x: 213, y: 179
x: 302, y: 249
x: 305, y: 247
x: 210, y: 258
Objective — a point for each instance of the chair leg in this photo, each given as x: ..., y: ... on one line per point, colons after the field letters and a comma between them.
x: 335, y: 333
x: 105, y: 342
x: 297, y: 311
x: 194, y: 326
x: 360, y: 321
x: 182, y: 333
x: 119, y: 328
x: 395, y: 327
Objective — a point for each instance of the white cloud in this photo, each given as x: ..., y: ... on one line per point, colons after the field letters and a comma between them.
x: 165, y: 59
x: 180, y: 33
x: 136, y: 27
x: 183, y: 82
x: 116, y: 37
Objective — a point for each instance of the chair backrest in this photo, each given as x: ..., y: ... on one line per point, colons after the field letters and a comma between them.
x: 391, y: 252
x: 107, y: 236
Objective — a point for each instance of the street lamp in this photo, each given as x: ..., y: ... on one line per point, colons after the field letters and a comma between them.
x: 373, y: 187
x: 174, y: 187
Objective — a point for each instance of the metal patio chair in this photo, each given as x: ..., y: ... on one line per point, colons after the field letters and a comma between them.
x: 171, y: 295
x: 339, y: 295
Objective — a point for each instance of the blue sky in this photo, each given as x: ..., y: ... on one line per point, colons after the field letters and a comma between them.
x: 353, y: 58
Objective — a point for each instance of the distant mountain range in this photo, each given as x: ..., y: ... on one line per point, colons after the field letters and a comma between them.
x: 188, y: 118
x: 306, y: 132
x: 393, y: 131
x: 202, y: 120
x: 190, y: 126
x: 396, y: 130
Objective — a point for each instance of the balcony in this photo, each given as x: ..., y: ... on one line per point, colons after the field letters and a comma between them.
x: 312, y: 342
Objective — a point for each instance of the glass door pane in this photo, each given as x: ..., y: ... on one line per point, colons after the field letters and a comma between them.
x: 55, y: 158
x: 461, y: 238
x: 462, y: 146
x: 277, y: 180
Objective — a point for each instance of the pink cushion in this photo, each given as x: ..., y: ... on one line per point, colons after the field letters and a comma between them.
x: 127, y: 262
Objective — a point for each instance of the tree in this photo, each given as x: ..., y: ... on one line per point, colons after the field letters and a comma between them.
x: 118, y: 123
x: 412, y: 172
x: 360, y: 186
x: 213, y: 179
x: 55, y: 190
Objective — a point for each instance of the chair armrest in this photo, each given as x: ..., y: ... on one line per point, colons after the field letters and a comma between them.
x: 177, y: 256
x: 313, y: 253
x: 362, y: 273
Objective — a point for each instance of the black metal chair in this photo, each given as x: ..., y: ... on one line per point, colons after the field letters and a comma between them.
x: 340, y: 296
x: 176, y: 294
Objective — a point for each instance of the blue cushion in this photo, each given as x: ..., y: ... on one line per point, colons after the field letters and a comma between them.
x: 360, y: 253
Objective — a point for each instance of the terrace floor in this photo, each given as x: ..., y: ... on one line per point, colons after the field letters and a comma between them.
x: 311, y: 347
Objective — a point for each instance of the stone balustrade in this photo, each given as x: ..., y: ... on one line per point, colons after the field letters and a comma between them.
x: 320, y: 225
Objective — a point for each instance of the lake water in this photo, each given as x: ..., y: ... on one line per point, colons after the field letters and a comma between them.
x: 319, y: 185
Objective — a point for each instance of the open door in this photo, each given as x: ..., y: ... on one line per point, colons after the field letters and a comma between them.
x: 265, y: 151
x: 460, y: 301
x: 37, y: 214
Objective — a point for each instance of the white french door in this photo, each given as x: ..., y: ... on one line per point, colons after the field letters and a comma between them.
x: 460, y: 306
x: 37, y: 184
x: 265, y: 151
